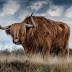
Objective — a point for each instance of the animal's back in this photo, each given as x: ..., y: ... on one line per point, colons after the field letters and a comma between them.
x: 47, y: 36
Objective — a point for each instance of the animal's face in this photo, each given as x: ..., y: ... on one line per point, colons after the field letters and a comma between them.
x: 18, y: 32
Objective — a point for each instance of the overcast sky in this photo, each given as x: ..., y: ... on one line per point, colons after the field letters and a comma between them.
x: 12, y: 11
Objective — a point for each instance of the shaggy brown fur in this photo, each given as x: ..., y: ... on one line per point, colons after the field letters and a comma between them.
x: 48, y: 37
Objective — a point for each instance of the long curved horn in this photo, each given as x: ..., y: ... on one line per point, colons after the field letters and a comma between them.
x: 33, y: 20
x: 5, y: 28
x: 29, y: 25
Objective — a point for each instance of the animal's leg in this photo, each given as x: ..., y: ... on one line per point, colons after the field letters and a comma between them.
x: 47, y: 47
x: 62, y: 52
x: 46, y: 52
x: 65, y: 51
x: 67, y: 41
x: 26, y: 51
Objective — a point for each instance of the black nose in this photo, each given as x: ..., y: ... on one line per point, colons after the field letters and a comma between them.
x: 19, y: 41
x: 16, y: 41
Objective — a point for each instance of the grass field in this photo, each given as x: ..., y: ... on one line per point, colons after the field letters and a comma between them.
x: 35, y: 63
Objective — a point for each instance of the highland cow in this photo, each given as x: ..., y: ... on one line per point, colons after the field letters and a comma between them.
x: 38, y: 34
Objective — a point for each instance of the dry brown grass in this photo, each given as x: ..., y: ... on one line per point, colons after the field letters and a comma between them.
x: 34, y: 63
x: 36, y: 58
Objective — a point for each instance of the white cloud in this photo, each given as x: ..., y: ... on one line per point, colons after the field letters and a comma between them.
x: 10, y: 8
x: 55, y: 10
x: 37, y: 5
x: 68, y: 12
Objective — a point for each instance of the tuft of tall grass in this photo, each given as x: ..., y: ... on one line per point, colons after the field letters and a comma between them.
x: 35, y: 58
x: 34, y: 63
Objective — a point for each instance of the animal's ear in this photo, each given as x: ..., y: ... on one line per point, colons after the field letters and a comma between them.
x: 7, y: 31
